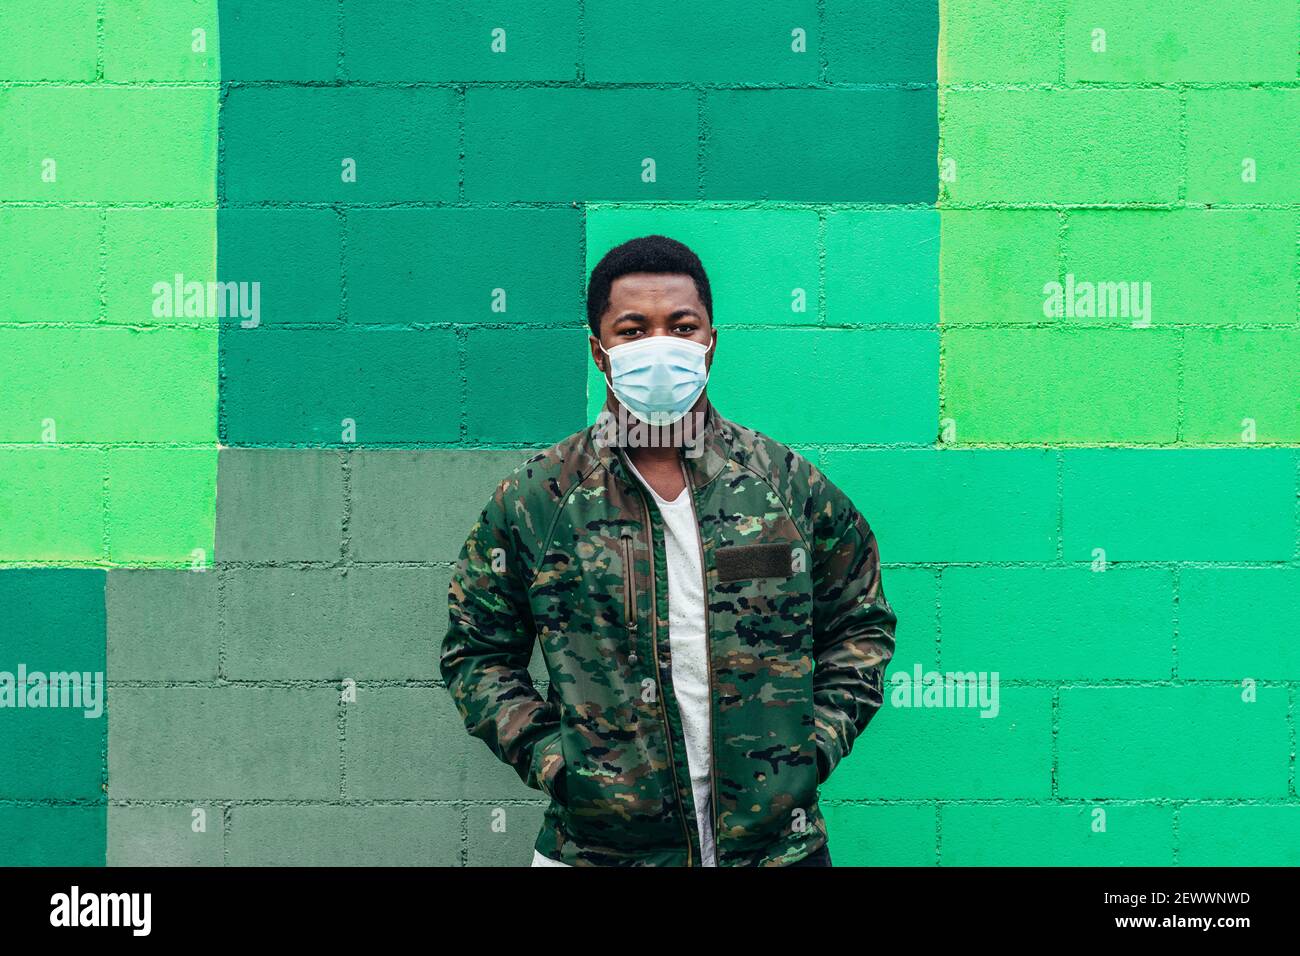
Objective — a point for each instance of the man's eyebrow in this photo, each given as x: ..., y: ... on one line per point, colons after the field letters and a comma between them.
x: 675, y: 314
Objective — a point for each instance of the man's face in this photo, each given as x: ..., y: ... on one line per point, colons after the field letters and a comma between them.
x: 651, y: 303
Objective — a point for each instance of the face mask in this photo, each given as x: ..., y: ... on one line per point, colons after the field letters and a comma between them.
x: 659, y: 377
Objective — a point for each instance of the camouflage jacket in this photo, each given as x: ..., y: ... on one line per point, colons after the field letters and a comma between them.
x: 570, y: 553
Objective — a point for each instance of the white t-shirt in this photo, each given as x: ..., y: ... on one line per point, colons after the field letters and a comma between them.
x: 689, y: 644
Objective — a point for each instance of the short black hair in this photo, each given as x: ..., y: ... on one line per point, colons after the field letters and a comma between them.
x: 645, y: 254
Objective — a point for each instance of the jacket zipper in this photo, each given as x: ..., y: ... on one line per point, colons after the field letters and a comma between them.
x: 708, y: 637
x: 629, y: 599
x: 654, y: 644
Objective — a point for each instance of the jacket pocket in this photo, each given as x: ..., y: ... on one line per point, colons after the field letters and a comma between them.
x: 741, y: 562
x: 629, y: 600
x: 548, y: 766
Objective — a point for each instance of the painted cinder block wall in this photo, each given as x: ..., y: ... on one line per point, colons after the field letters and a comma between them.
x: 879, y: 294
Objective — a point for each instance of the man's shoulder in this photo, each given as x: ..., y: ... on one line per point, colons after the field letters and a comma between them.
x: 548, y: 475
x: 794, y: 476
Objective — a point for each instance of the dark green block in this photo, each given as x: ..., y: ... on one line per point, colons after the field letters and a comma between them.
x: 465, y: 265
x: 822, y: 145
x: 293, y: 255
x: 290, y: 143
x: 526, y: 385
x: 298, y: 387
x: 53, y: 625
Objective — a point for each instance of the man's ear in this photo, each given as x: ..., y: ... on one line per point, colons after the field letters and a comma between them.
x: 597, y: 355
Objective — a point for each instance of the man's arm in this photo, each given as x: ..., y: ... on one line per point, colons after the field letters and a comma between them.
x: 853, y: 625
x: 485, y: 654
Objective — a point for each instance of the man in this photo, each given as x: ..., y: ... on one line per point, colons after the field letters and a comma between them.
x: 708, y: 606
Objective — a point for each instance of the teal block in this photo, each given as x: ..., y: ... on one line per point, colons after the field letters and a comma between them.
x: 726, y: 41
x: 579, y: 144
x: 365, y: 623
x: 44, y: 835
x: 1238, y: 622
x: 762, y: 264
x: 345, y: 836
x: 223, y: 743
x: 1017, y: 835
x: 394, y: 518
x: 285, y: 40
x: 53, y: 748
x: 162, y: 625
x: 465, y: 265
x: 795, y: 144
x: 953, y: 505
x: 166, y: 835
x: 1228, y: 836
x: 951, y: 752
x: 882, y: 41
x: 882, y: 266
x: 292, y: 254
x: 546, y: 363
x: 1025, y: 622
x: 502, y: 835
x: 445, y: 40
x: 801, y: 387
x: 279, y: 505
x: 1189, y: 741
x: 890, y: 834
x: 298, y: 387
x: 1179, y: 505
x: 407, y: 743
x: 290, y: 144
x: 913, y: 593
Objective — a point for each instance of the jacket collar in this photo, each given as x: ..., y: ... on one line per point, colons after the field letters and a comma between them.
x: 713, y: 446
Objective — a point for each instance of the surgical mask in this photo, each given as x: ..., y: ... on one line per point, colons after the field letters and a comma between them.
x: 659, y: 377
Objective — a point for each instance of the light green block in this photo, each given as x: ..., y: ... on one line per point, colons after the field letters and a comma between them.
x: 49, y: 264
x: 992, y: 41
x: 100, y: 384
x: 176, y: 40
x: 49, y: 40
x: 1233, y: 135
x: 1240, y: 385
x: 1194, y: 742
x: 114, y: 144
x: 993, y: 264
x: 1200, y: 40
x: 1061, y: 385
x: 1208, y: 267
x: 51, y: 504
x: 147, y: 250
x: 1221, y: 836
x: 162, y: 505
x: 1061, y: 146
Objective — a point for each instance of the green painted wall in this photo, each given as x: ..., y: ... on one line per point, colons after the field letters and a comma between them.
x: 879, y: 237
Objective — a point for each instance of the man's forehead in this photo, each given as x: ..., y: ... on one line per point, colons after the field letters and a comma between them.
x: 651, y: 285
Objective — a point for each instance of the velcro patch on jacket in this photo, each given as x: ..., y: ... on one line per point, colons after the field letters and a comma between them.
x: 754, y: 561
